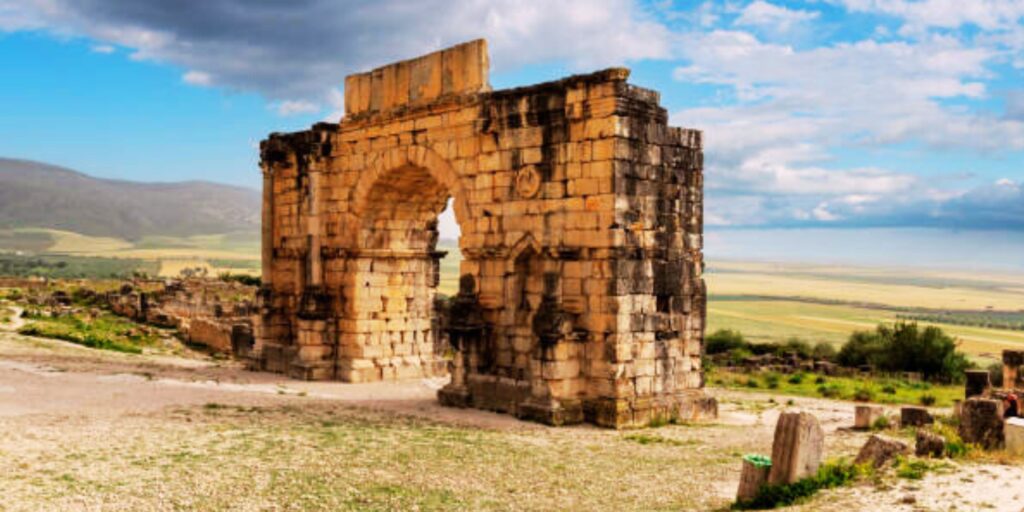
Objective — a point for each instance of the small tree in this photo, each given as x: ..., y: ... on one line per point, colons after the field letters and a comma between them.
x: 723, y: 340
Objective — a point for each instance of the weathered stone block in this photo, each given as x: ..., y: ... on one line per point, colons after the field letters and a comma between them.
x: 981, y: 422
x: 865, y: 416
x: 912, y: 416
x: 879, y: 450
x: 1014, y: 433
x: 797, y: 449
x: 978, y: 382
x: 929, y: 444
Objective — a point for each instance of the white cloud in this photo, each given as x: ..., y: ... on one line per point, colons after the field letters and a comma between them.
x: 199, y: 78
x: 765, y: 15
x: 295, y: 107
x: 105, y: 49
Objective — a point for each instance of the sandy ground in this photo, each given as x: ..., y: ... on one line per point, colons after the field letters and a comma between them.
x: 58, y: 399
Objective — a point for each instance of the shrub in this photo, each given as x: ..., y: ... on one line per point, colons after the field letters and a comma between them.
x: 889, y: 389
x: 830, y: 391
x: 995, y: 374
x: 911, y: 469
x: 772, y: 381
x: 824, y: 351
x: 724, y: 340
x: 819, y: 380
x: 796, y: 378
x: 904, y: 347
x: 752, y: 383
x: 797, y: 346
x: 738, y: 355
x: 864, y: 394
x: 927, y: 399
x: 881, y: 423
x: 829, y: 475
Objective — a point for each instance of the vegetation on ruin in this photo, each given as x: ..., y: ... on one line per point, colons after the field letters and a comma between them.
x: 105, y: 331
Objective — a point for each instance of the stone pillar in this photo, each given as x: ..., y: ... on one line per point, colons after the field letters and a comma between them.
x: 1015, y: 436
x: 754, y: 476
x: 797, y: 448
x: 981, y: 422
x: 1012, y: 361
x: 865, y: 416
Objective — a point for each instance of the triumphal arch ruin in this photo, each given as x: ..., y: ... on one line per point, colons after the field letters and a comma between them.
x: 580, y: 209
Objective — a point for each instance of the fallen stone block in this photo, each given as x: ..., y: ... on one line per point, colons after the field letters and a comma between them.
x: 981, y: 422
x: 929, y: 444
x: 880, y: 450
x: 911, y: 416
x: 865, y: 416
x: 754, y: 476
x: 797, y: 448
x: 1014, y: 432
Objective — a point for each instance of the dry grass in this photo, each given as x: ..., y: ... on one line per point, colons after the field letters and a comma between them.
x: 330, y: 457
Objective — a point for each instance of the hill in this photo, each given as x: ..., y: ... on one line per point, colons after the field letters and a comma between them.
x: 38, y: 195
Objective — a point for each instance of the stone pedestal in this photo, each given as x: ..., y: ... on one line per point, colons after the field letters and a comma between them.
x: 981, y: 422
x: 797, y: 448
x: 754, y: 476
x: 1014, y: 433
x: 915, y: 417
x: 928, y: 444
x: 866, y: 415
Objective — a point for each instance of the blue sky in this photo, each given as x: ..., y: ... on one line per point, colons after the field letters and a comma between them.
x: 817, y: 113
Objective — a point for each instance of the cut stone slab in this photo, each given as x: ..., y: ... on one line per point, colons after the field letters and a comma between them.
x: 929, y: 444
x: 1014, y: 432
x: 981, y: 422
x: 879, y: 450
x: 911, y: 416
x: 797, y: 448
x: 866, y: 415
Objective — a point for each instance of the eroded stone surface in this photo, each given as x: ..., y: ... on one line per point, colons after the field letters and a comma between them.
x: 581, y: 179
x: 981, y: 422
x: 880, y: 449
x: 797, y: 449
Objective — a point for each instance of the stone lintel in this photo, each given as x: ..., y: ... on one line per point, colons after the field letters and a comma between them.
x: 461, y: 69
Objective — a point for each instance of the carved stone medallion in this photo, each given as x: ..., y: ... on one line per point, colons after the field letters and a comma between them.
x: 527, y: 182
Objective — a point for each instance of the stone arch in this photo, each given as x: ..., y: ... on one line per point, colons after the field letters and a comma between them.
x: 414, y: 156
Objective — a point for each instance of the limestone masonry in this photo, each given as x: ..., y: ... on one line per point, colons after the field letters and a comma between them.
x: 581, y: 217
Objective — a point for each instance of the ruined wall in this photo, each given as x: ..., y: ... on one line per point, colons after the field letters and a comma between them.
x: 580, y: 212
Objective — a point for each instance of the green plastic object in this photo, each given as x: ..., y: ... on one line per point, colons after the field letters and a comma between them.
x: 761, y: 461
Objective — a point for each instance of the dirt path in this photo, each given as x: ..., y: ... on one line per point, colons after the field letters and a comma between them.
x: 58, y: 400
x: 16, y: 321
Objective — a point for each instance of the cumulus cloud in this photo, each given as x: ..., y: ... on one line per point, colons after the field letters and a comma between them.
x: 765, y: 15
x: 105, y: 49
x: 295, y: 107
x: 300, y: 51
x: 199, y: 78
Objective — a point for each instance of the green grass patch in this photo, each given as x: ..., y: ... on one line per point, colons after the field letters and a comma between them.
x: 864, y: 389
x: 105, y: 332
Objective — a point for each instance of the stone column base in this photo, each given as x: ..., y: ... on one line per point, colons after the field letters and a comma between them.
x: 693, y: 405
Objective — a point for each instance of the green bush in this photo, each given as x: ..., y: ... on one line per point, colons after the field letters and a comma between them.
x: 799, y: 347
x: 864, y: 394
x: 819, y: 380
x: 772, y: 381
x: 830, y: 391
x: 927, y: 400
x: 824, y: 351
x: 881, y: 423
x: 904, y: 347
x: 889, y: 389
x: 752, y: 383
x: 724, y: 340
x: 829, y: 475
x: 796, y: 378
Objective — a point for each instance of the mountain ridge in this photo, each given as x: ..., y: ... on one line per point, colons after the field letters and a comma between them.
x: 40, y: 195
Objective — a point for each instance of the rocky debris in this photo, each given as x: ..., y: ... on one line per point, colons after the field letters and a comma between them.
x: 879, y: 450
x: 981, y: 422
x: 978, y: 383
x: 912, y: 416
x: 1014, y: 434
x: 865, y: 416
x: 929, y: 444
x: 797, y: 448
